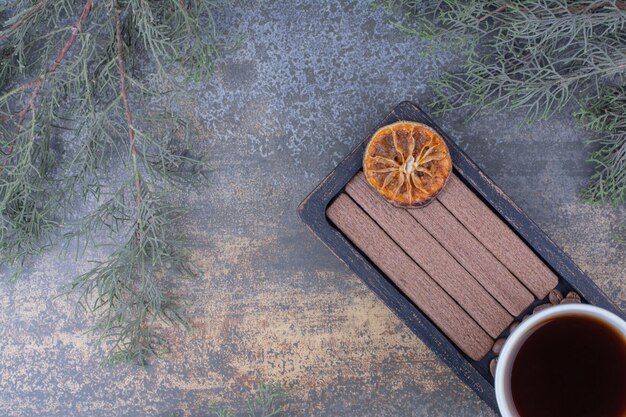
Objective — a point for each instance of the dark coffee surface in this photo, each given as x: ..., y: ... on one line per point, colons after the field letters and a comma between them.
x: 571, y: 366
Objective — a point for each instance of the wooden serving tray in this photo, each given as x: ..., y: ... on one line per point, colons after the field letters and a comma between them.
x: 459, y: 271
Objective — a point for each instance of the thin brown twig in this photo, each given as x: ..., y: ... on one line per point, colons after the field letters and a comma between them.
x: 123, y: 88
x: 124, y: 95
x: 620, y: 4
x: 496, y: 11
x: 31, y: 12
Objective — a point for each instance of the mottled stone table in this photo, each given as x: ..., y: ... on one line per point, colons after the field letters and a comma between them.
x: 273, y: 304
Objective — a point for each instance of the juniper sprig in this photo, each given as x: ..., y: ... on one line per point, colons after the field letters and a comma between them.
x: 82, y: 89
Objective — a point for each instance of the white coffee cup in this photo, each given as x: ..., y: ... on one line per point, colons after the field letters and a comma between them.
x: 519, y: 336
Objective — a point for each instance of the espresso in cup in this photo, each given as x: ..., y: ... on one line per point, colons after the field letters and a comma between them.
x: 568, y: 362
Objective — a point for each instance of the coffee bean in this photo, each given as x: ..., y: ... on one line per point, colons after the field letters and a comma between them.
x: 526, y: 317
x: 492, y: 366
x: 513, y: 326
x: 541, y: 307
x: 555, y: 296
x: 572, y: 294
x: 497, y: 346
x: 570, y: 300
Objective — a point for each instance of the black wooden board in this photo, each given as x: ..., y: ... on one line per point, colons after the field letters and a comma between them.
x: 476, y: 374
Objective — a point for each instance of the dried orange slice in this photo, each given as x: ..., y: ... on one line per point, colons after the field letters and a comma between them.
x: 408, y: 163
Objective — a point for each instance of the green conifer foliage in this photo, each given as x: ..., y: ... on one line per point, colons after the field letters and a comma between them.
x: 81, y: 87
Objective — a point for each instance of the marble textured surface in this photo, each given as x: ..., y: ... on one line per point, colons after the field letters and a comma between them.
x: 312, y: 78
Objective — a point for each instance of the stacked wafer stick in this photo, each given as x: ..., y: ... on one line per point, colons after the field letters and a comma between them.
x: 455, y: 259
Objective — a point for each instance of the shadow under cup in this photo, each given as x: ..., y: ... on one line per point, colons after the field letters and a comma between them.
x: 565, y: 361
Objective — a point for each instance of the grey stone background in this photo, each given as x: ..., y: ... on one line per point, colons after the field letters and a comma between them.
x: 312, y: 78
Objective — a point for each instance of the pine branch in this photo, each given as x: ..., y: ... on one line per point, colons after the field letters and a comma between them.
x: 91, y: 101
x: 533, y: 55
